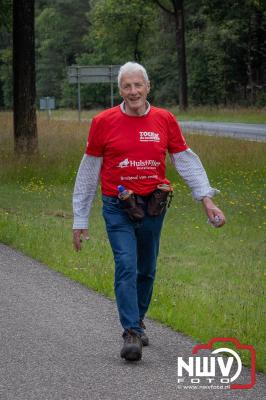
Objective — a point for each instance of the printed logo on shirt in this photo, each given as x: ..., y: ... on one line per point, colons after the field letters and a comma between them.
x: 123, y: 163
x: 140, y: 164
x: 149, y: 137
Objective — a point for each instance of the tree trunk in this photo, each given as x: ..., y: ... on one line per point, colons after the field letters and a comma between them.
x: 256, y: 53
x: 181, y: 53
x: 25, y: 124
x: 137, y: 53
x: 178, y: 14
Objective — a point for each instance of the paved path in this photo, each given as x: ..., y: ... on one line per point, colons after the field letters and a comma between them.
x: 61, y: 341
x: 255, y: 132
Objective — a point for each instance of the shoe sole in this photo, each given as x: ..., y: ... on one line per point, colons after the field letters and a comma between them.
x: 132, y: 356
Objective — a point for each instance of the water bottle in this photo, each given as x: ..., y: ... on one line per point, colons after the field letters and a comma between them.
x: 131, y: 207
x: 123, y: 193
x: 216, y: 222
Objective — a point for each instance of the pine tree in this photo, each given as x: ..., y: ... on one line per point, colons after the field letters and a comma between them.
x: 25, y: 125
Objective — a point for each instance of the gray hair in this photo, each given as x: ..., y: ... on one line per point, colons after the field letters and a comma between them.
x: 131, y: 67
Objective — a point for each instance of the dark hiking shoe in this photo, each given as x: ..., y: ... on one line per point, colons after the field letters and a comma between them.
x: 132, y: 348
x: 144, y: 338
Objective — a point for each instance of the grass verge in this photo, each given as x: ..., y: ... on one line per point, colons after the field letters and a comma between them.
x: 215, y: 114
x: 210, y: 282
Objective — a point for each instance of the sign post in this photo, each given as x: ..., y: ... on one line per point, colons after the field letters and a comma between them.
x: 79, y: 102
x: 93, y: 74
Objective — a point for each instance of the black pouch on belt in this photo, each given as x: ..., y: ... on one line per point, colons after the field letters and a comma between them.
x: 158, y: 201
x: 133, y: 208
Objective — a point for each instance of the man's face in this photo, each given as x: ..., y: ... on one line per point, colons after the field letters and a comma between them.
x: 134, y: 90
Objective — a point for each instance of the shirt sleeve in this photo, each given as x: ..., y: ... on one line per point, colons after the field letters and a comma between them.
x: 176, y: 140
x: 189, y: 166
x: 95, y: 143
x: 85, y: 190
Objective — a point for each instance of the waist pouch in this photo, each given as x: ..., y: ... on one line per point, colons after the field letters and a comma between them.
x: 132, y: 206
x: 157, y: 203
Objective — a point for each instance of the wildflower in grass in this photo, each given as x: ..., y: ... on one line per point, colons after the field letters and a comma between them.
x: 35, y: 185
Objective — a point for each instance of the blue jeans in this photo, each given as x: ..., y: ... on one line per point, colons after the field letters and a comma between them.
x: 135, y: 247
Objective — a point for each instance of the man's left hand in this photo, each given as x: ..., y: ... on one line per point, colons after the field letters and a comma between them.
x: 215, y: 215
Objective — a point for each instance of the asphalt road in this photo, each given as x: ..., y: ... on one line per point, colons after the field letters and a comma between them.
x: 256, y: 132
x: 61, y: 341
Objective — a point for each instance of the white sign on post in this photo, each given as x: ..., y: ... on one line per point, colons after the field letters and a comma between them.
x: 47, y: 103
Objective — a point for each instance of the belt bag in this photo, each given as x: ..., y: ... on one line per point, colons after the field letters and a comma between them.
x: 159, y: 200
x: 157, y: 203
x: 133, y: 208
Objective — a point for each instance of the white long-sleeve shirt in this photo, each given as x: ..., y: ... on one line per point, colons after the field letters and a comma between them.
x: 187, y: 164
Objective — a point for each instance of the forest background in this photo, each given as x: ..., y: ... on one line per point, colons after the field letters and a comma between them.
x: 225, y: 49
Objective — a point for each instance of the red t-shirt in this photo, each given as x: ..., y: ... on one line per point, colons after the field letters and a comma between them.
x: 133, y: 148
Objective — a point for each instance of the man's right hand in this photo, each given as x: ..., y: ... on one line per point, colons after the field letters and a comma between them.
x: 78, y: 236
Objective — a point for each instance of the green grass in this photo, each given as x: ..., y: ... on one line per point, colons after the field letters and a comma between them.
x: 219, y: 114
x: 215, y: 114
x: 69, y: 115
x: 210, y: 282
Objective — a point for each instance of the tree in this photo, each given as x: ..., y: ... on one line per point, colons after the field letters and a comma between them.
x: 5, y: 14
x: 119, y: 31
x: 256, y: 62
x: 116, y: 34
x: 5, y: 53
x: 60, y: 28
x: 24, y: 92
x: 177, y: 11
x: 241, y: 35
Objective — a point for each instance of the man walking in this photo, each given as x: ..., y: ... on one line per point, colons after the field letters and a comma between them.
x: 126, y: 148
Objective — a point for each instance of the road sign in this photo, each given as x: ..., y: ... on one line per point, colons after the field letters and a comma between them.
x: 93, y: 73
x: 47, y: 103
x: 78, y: 74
